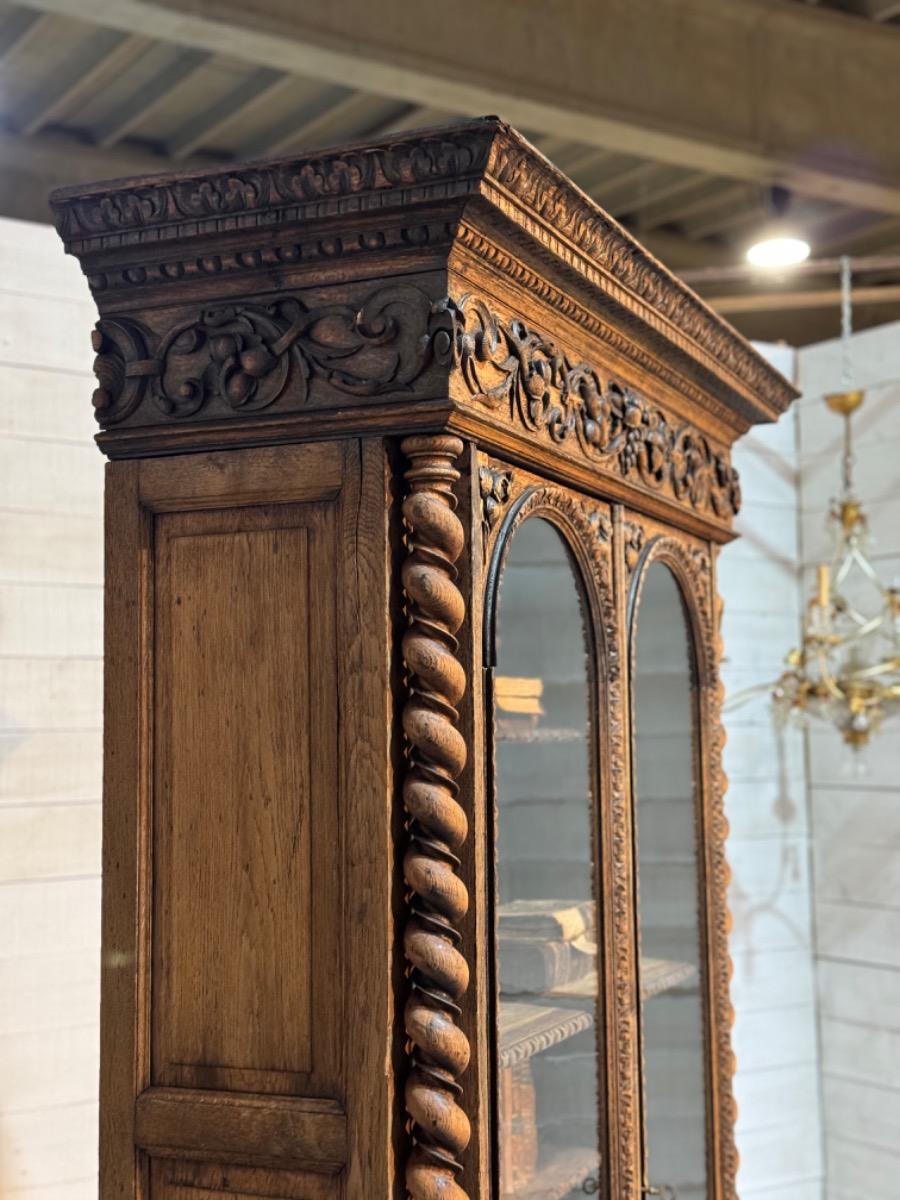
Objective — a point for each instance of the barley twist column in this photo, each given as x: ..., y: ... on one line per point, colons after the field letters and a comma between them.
x: 436, y: 823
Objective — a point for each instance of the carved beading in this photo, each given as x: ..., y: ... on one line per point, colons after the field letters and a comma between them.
x: 436, y: 822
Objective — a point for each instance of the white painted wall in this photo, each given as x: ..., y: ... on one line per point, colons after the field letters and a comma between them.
x: 856, y: 822
x: 779, y: 1132
x: 50, y: 716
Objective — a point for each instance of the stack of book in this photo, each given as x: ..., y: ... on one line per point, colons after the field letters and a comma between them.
x: 518, y: 703
x: 545, y: 944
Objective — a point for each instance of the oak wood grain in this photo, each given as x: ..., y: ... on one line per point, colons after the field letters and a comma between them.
x: 247, y: 1129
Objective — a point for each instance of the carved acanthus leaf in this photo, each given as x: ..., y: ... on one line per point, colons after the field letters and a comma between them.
x: 494, y: 485
x: 244, y: 354
x: 507, y: 366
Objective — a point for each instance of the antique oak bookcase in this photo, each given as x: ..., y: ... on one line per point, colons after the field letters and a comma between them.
x: 414, y: 862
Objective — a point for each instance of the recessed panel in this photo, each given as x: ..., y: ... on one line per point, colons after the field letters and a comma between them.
x: 239, y: 644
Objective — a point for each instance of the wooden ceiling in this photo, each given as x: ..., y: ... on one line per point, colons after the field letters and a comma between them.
x: 100, y: 88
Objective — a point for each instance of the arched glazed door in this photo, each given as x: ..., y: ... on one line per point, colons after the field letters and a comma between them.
x: 549, y: 1101
x: 669, y: 840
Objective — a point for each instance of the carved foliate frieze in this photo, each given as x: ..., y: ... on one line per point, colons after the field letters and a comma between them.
x: 243, y: 355
x: 510, y: 368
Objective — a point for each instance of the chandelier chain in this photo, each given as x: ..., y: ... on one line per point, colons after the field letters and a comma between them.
x: 847, y: 368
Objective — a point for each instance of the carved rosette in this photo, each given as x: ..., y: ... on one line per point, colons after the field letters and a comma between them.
x: 436, y: 822
x: 693, y: 567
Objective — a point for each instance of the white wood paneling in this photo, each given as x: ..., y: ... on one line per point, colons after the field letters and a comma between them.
x: 773, y: 985
x: 50, y: 713
x: 856, y: 814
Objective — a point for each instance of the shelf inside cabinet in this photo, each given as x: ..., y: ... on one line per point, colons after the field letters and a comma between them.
x: 538, y: 736
x: 527, y: 1029
x: 565, y: 1170
x: 657, y: 975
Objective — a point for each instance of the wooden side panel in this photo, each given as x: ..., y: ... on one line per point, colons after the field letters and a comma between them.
x: 243, y: 643
x: 248, y: 852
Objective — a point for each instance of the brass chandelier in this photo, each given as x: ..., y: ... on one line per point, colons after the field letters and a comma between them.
x: 846, y: 670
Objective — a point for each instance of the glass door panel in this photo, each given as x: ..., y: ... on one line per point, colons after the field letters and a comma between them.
x: 672, y: 1020
x: 547, y: 922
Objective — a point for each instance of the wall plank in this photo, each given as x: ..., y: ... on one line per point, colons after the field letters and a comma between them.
x: 51, y: 481
x: 856, y: 817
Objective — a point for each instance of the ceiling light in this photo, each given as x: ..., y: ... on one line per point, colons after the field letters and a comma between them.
x: 778, y: 252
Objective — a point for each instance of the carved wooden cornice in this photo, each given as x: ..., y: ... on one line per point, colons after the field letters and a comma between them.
x: 244, y: 357
x: 300, y: 212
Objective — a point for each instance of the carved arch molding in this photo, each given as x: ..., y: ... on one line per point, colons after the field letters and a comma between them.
x: 510, y: 497
x: 242, y: 357
x: 693, y: 569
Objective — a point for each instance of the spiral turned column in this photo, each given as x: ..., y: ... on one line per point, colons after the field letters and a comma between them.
x: 436, y: 823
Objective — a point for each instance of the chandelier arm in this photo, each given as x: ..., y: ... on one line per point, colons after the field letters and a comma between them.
x: 843, y: 569
x: 826, y: 676
x: 882, y: 668
x: 866, y: 567
x: 864, y: 629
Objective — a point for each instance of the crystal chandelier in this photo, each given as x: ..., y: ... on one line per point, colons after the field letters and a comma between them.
x: 847, y: 668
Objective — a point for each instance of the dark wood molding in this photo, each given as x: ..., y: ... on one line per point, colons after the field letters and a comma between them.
x: 478, y: 180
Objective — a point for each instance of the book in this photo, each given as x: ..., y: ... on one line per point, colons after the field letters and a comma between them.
x: 518, y: 695
x: 518, y: 1128
x: 547, y: 920
x: 531, y: 966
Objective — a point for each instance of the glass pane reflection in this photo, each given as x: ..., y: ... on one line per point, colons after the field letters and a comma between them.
x: 669, y: 914
x: 549, y: 1067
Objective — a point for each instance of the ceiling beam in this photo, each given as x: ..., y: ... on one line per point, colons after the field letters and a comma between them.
x: 258, y: 87
x: 19, y: 28
x: 783, y: 92
x: 881, y: 10
x: 783, y: 301
x: 310, y: 124
x: 414, y: 116
x: 151, y: 96
x: 666, y: 190
x: 109, y: 53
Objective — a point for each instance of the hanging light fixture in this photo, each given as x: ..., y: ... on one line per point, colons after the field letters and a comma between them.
x: 779, y: 244
x: 847, y: 668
